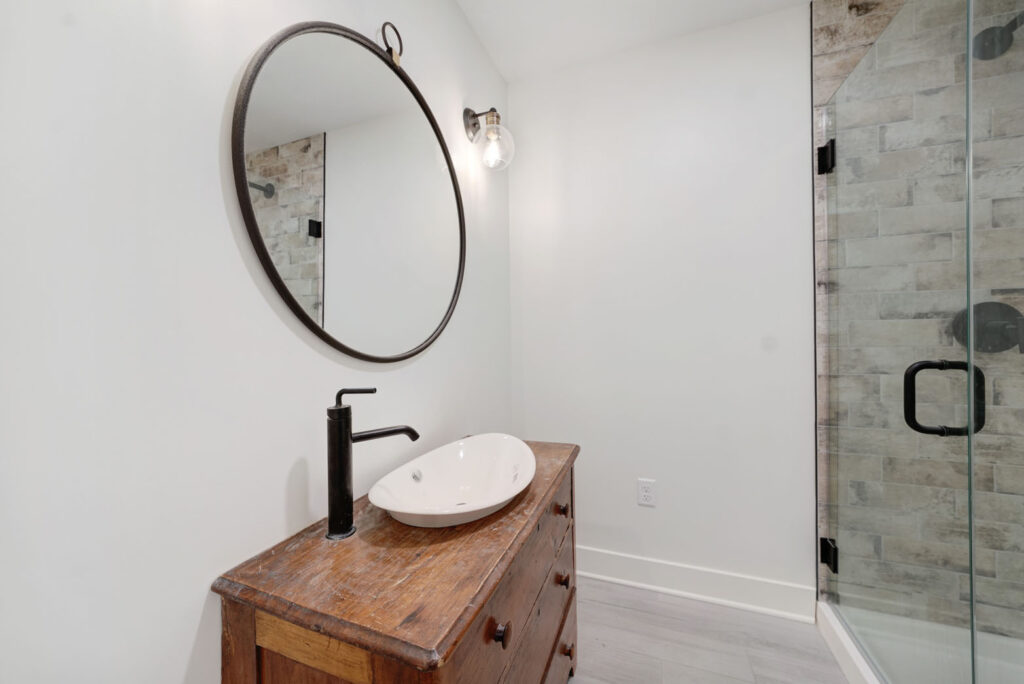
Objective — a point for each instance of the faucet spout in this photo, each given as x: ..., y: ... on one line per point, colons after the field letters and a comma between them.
x: 366, y: 435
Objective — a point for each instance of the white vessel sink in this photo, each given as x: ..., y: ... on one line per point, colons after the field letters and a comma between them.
x: 458, y: 482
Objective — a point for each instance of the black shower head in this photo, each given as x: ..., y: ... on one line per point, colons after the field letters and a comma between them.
x: 995, y: 41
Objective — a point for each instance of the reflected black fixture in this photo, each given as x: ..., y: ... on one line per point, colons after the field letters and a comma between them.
x: 267, y: 190
x: 997, y: 328
x: 340, y: 439
x: 316, y: 228
x: 996, y: 40
x: 910, y: 398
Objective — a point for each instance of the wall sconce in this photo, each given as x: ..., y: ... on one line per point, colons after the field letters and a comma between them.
x: 498, y: 146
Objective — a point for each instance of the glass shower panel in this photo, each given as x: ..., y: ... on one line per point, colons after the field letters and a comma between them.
x: 898, y: 280
x: 995, y: 73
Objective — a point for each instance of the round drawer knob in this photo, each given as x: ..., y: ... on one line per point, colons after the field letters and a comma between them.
x: 503, y: 634
x: 562, y: 509
x: 567, y: 651
x: 563, y: 579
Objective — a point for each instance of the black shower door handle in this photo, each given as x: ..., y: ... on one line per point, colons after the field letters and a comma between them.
x: 910, y: 398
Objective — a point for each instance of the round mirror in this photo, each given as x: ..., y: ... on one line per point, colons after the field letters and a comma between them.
x: 348, y: 192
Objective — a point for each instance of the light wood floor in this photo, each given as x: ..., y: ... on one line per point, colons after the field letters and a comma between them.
x: 634, y: 636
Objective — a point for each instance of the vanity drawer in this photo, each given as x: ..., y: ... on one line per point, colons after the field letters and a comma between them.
x: 563, y: 660
x: 545, y: 620
x: 480, y: 657
x: 560, y: 513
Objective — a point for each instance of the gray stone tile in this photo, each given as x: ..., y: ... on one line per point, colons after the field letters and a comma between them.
x: 897, y: 80
x: 931, y: 473
x: 920, y: 46
x: 1008, y: 212
x: 875, y: 442
x: 848, y: 33
x: 881, y: 522
x: 1001, y: 508
x: 995, y: 183
x: 1003, y: 152
x: 873, y: 279
x: 866, y: 196
x: 860, y: 544
x: 922, y: 304
x: 927, y: 218
x: 1000, y: 620
x: 857, y: 388
x: 901, y: 497
x: 855, y: 224
x: 1002, y: 593
x: 935, y: 160
x: 938, y: 189
x: 854, y: 307
x: 923, y: 580
x: 1007, y: 121
x: 899, y: 333
x: 1004, y: 420
x: 899, y: 249
x: 1009, y: 479
x: 1010, y: 566
x: 955, y: 557
x: 865, y: 113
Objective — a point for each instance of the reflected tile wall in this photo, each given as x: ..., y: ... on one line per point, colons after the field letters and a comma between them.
x: 296, y: 170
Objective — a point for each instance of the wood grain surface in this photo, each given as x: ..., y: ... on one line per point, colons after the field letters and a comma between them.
x: 406, y: 593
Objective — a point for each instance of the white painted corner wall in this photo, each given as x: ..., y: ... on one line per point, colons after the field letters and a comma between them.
x: 662, y: 306
x: 162, y: 413
x: 161, y: 417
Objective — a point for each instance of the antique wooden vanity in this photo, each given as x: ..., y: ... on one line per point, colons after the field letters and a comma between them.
x: 489, y: 601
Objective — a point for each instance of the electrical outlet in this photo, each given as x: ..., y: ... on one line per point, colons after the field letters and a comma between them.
x: 645, y: 492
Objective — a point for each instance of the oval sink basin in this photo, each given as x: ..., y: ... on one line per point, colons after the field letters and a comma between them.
x: 458, y: 482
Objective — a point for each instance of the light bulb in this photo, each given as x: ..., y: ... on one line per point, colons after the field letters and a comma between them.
x: 498, y: 146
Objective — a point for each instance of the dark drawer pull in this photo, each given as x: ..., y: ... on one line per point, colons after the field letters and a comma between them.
x: 569, y: 650
x: 562, y: 509
x: 503, y: 634
x: 563, y: 579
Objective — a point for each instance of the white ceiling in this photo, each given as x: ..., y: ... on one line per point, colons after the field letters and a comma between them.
x: 524, y: 37
x: 319, y: 82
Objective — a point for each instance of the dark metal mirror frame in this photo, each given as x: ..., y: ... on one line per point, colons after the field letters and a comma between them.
x: 245, y: 202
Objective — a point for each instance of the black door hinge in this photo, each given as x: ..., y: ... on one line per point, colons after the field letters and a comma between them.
x: 316, y: 228
x: 827, y: 157
x: 829, y: 553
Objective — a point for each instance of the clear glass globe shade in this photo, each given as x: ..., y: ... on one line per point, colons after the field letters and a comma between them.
x: 497, y: 146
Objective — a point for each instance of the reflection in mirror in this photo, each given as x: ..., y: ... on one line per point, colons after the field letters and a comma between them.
x: 353, y: 194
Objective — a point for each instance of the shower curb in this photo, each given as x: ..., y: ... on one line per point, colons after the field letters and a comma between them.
x: 851, y: 661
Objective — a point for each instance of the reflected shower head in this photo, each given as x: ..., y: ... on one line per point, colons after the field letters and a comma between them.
x: 267, y: 190
x: 995, y: 41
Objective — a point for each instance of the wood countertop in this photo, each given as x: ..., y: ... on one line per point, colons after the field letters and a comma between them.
x: 408, y: 593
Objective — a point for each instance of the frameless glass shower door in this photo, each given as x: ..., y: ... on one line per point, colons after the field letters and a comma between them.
x: 926, y: 345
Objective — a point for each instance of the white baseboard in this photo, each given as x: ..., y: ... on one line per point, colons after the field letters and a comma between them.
x: 851, y: 661
x: 761, y: 595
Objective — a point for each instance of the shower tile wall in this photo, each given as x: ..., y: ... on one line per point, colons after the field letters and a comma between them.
x: 893, y: 266
x: 296, y: 170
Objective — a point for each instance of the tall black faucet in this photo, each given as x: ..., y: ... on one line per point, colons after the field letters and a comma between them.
x: 340, y: 439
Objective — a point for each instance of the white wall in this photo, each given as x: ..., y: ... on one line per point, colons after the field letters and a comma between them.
x: 162, y: 415
x: 662, y: 305
x: 390, y: 220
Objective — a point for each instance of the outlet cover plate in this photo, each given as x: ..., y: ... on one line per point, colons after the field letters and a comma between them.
x: 645, y: 492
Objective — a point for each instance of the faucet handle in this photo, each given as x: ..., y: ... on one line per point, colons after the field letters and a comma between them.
x: 357, y: 390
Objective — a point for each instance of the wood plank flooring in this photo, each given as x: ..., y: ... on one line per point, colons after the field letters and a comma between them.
x: 634, y: 636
